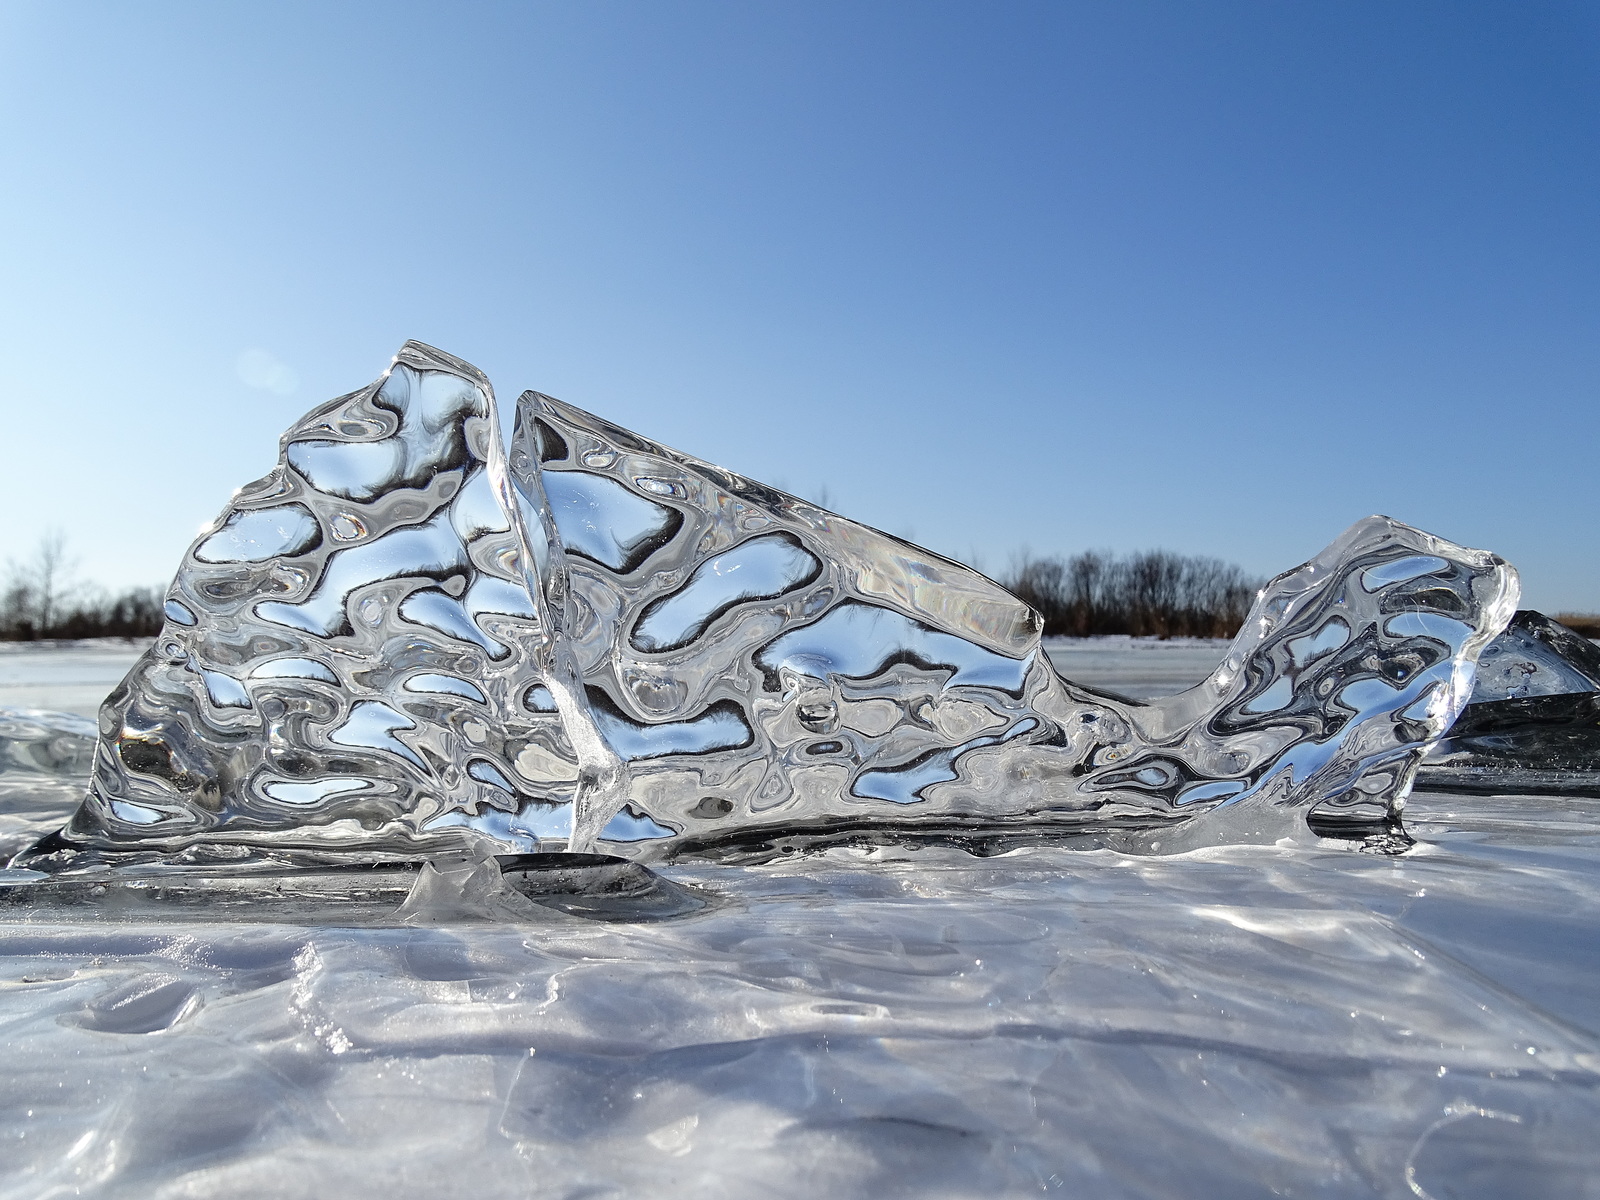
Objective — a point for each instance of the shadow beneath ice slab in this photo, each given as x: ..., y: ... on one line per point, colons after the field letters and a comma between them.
x: 438, y: 891
x: 834, y: 1114
x: 1258, y: 822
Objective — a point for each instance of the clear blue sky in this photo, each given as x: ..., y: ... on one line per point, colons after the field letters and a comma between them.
x: 1216, y: 277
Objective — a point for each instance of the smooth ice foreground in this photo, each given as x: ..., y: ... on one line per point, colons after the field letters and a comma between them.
x: 997, y: 1010
x: 1240, y: 1021
x: 404, y: 640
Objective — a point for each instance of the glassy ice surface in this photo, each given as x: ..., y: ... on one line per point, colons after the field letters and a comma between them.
x: 769, y: 668
x: 1235, y: 1021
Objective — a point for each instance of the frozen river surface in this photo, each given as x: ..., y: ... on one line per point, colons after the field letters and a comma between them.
x: 1234, y: 1022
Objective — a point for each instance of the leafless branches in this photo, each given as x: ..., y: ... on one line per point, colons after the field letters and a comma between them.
x: 1155, y: 593
x: 41, y: 598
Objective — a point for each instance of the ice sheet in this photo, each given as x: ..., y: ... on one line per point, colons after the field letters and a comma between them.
x: 1243, y: 1021
x: 1139, y: 668
x: 1232, y: 1022
x: 71, y: 677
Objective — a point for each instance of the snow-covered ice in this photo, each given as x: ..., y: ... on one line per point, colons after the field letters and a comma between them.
x: 921, y: 925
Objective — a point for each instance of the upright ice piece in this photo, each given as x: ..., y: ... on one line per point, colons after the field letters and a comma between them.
x: 346, y: 649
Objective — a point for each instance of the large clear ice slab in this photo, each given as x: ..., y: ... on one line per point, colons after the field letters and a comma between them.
x: 347, y: 649
x: 404, y: 640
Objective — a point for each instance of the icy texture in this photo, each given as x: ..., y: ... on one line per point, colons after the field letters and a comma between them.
x: 771, y: 668
x: 346, y: 650
x: 44, y: 765
x: 1535, y: 744
x: 1534, y: 721
x: 398, y: 641
x: 1238, y: 1022
x: 1536, y: 656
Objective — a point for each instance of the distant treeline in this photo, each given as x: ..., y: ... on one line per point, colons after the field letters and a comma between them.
x: 1587, y: 624
x: 39, y: 599
x: 133, y: 613
x: 1151, y: 594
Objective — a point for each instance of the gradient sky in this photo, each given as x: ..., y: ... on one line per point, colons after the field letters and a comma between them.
x: 1220, y: 278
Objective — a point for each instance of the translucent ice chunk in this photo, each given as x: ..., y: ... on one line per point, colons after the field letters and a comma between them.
x: 346, y: 647
x: 888, y: 688
x: 1531, y: 726
x: 1536, y: 656
x: 404, y: 639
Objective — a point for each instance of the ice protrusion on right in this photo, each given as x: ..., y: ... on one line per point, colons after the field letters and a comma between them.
x: 1368, y: 654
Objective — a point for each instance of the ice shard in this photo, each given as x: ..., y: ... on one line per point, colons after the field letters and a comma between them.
x: 404, y: 639
x: 771, y: 669
x: 1533, y: 725
x: 346, y: 649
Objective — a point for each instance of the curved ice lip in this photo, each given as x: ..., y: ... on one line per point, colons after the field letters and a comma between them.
x: 598, y: 633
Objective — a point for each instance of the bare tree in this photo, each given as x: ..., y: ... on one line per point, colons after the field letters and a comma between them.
x: 1155, y: 593
x: 16, y: 606
x: 50, y: 574
x: 37, y: 591
x: 40, y: 598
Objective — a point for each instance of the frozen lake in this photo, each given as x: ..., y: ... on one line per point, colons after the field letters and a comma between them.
x: 1140, y: 668
x: 70, y: 677
x: 74, y: 677
x: 1233, y: 1022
